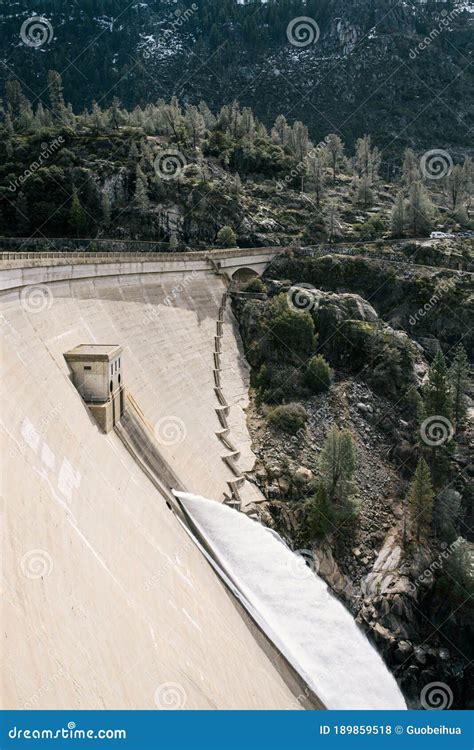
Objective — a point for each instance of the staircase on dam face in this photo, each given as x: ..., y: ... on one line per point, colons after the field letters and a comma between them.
x: 231, y: 456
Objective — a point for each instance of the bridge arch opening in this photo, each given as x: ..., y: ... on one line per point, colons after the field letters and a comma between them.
x: 244, y: 274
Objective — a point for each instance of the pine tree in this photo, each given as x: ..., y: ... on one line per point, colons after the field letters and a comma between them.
x: 299, y: 145
x: 316, y: 176
x: 334, y: 151
x: 420, y: 498
x: 397, y: 219
x: 77, y: 217
x: 195, y: 125
x: 337, y: 465
x: 141, y: 191
x: 459, y: 376
x: 437, y: 392
x: 410, y: 169
x: 106, y: 208
x: 173, y: 241
x: 116, y: 117
x: 15, y: 98
x: 367, y: 160
x: 56, y: 96
x: 456, y: 185
x: 420, y: 210
x: 363, y: 194
x: 22, y: 213
x: 134, y: 153
x: 97, y: 118
x: 9, y: 129
x: 280, y: 131
x: 332, y: 219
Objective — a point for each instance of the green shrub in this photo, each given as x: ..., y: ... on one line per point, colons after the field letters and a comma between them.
x: 226, y: 237
x: 288, y: 417
x: 318, y: 374
x: 254, y: 285
x: 291, y: 329
x: 319, y: 519
x: 279, y: 383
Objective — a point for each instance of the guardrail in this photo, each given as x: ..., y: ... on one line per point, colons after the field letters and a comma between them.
x: 113, y: 257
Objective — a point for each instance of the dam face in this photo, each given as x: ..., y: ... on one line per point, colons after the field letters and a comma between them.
x: 107, y: 601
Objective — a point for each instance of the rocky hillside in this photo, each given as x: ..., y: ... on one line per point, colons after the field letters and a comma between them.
x: 408, y: 585
x: 353, y: 67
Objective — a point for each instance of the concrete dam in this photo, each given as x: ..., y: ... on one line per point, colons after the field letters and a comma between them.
x: 113, y: 597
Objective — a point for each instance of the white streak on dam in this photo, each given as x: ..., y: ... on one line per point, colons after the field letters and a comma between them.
x: 310, y: 626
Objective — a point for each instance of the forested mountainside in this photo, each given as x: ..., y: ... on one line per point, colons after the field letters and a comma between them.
x: 188, y: 176
x: 350, y: 67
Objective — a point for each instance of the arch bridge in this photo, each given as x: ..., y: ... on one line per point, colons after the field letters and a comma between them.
x: 240, y: 264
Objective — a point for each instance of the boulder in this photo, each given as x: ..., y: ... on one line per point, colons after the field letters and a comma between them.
x: 303, y: 475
